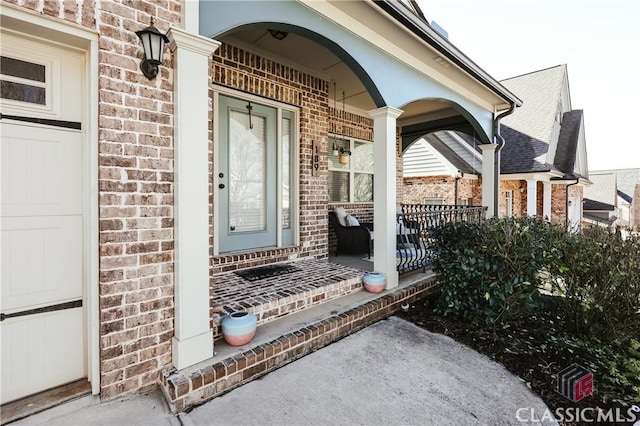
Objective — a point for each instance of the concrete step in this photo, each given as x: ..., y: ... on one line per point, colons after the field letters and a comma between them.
x: 286, y: 339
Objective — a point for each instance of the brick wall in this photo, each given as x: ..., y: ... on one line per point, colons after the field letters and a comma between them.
x: 519, y: 198
x: 136, y: 199
x: 559, y: 200
x: 558, y: 204
x: 135, y: 190
x: 417, y: 189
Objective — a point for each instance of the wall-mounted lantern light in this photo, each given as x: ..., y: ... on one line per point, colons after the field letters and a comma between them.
x: 153, y: 43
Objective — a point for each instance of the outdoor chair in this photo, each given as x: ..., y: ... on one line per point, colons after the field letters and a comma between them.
x: 352, y: 239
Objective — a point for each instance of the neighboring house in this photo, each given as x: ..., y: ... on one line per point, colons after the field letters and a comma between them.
x: 610, y: 200
x: 125, y: 200
x: 543, y: 164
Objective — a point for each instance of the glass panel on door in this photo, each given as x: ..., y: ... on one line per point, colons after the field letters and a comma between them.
x: 247, y: 173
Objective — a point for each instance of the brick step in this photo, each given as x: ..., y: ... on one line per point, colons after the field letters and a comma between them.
x: 284, y: 340
x: 317, y: 281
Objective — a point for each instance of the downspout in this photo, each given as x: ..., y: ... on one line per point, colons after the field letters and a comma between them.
x: 455, y: 188
x: 496, y: 169
x: 566, y: 202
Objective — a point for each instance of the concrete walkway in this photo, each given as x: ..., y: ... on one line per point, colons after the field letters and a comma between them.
x: 391, y: 373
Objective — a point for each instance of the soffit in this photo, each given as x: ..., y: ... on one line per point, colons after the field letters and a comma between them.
x: 370, y: 23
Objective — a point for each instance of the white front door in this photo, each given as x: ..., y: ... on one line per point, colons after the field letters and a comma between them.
x: 41, y: 217
x: 247, y: 165
x: 574, y: 214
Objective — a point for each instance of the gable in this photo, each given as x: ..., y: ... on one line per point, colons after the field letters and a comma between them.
x: 440, y: 153
x: 542, y: 94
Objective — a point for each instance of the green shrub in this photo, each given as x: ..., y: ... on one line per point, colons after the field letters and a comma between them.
x: 490, y: 271
x: 599, y: 275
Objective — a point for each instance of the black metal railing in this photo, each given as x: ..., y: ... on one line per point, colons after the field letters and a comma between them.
x: 414, y: 224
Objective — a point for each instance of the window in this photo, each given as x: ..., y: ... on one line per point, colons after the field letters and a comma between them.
x: 350, y: 170
x: 463, y: 201
x: 509, y: 203
x: 433, y: 201
x: 22, y: 81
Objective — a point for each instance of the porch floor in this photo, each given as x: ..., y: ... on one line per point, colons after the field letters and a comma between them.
x: 332, y: 306
x: 316, y: 281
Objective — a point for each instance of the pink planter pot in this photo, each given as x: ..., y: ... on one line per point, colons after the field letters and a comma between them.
x: 238, y: 328
x: 374, y: 282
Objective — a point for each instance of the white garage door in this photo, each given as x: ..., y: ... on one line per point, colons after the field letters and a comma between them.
x: 41, y: 217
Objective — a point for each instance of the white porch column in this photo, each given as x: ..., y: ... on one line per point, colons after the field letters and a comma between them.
x: 532, y: 197
x: 193, y: 339
x: 546, y: 200
x: 190, y: 16
x: 384, y: 192
x: 490, y: 188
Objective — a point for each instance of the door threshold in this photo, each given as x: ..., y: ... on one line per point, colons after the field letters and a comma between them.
x: 27, y: 406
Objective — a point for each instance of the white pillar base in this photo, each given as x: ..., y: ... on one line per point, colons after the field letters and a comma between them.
x: 192, y: 350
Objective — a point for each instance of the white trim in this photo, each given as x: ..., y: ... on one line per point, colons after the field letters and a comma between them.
x: 453, y: 77
x: 465, y: 146
x: 75, y: 36
x: 190, y: 16
x: 279, y: 177
x: 539, y: 176
x: 216, y: 171
x: 93, y: 215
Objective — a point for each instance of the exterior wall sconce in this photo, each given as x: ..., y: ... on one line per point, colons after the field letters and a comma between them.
x: 521, y: 188
x: 153, y: 43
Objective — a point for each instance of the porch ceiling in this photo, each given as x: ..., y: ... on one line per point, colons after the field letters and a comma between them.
x: 311, y: 57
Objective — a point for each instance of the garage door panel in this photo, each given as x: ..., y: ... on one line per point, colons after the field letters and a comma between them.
x: 42, y: 203
x: 41, y: 351
x: 41, y: 261
x: 41, y: 171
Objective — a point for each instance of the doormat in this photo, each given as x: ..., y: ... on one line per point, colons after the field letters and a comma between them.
x: 268, y: 271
